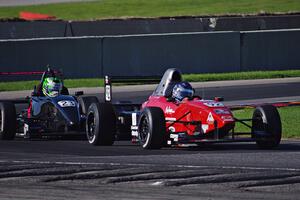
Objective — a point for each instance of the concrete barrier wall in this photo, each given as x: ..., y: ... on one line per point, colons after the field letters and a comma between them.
x: 78, y: 58
x: 181, y: 25
x: 150, y: 55
x: 136, y: 26
x: 254, y: 23
x: 43, y: 29
x: 38, y: 29
x: 193, y: 53
x: 270, y: 50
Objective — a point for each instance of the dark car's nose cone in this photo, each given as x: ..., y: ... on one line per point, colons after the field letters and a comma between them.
x: 68, y: 108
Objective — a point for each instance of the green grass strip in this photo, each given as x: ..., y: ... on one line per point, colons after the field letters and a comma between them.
x: 95, y: 82
x: 102, y: 9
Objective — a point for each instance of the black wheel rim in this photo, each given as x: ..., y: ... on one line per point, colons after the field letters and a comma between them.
x: 144, y: 130
x: 91, y: 125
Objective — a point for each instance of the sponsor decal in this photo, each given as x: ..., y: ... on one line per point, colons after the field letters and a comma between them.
x: 221, y: 112
x: 213, y: 104
x: 26, y: 128
x: 174, y: 137
x: 170, y: 119
x: 210, y: 118
x: 227, y: 118
x: 107, y: 93
x: 133, y: 119
x: 169, y: 110
x: 66, y: 103
x: 204, y: 127
x: 172, y: 129
x: 196, y: 133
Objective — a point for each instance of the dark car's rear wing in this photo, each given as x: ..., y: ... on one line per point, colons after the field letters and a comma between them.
x: 108, y: 80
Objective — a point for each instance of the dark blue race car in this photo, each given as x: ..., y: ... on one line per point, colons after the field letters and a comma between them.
x: 50, y: 111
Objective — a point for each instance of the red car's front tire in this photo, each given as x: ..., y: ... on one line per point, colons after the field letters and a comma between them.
x: 152, y: 128
x: 266, y: 122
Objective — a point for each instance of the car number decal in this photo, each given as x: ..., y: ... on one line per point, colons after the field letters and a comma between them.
x: 66, y: 103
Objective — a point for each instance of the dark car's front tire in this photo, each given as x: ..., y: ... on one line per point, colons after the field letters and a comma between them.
x: 101, y: 124
x: 7, y: 121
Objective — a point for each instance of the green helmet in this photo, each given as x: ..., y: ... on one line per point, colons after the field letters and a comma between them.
x: 52, y: 86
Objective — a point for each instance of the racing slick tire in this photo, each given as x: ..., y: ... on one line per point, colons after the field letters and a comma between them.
x: 266, y: 127
x: 152, y: 128
x: 85, y: 102
x: 7, y: 121
x: 101, y: 124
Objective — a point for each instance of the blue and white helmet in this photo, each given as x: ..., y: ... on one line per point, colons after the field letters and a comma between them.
x: 182, y: 90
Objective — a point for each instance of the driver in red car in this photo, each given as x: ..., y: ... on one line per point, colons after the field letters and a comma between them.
x: 182, y: 90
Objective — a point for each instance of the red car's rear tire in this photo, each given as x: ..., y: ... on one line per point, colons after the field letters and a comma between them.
x: 101, y: 124
x: 152, y: 128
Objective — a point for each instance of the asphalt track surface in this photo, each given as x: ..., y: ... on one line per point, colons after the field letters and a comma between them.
x: 65, y: 169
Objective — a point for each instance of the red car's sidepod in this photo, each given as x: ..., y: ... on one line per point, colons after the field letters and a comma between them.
x: 210, y: 114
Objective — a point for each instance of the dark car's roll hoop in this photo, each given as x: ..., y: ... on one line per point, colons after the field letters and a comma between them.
x: 168, y: 81
x: 51, y: 73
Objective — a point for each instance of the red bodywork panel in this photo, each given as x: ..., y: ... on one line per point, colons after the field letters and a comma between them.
x: 210, y: 113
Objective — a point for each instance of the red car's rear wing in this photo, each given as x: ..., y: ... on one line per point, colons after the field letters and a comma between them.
x: 128, y: 80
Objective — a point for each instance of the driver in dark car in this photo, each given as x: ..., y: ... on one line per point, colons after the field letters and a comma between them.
x: 51, y: 85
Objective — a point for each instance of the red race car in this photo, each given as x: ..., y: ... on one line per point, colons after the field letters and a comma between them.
x: 174, y: 116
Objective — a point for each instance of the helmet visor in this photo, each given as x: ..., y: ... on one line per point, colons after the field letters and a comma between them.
x: 187, y: 93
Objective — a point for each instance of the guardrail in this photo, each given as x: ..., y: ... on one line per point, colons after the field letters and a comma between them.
x: 151, y: 55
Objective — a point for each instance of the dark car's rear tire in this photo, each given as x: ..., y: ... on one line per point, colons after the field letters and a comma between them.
x: 85, y: 102
x: 152, y: 128
x: 101, y: 124
x: 266, y: 127
x: 7, y: 121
